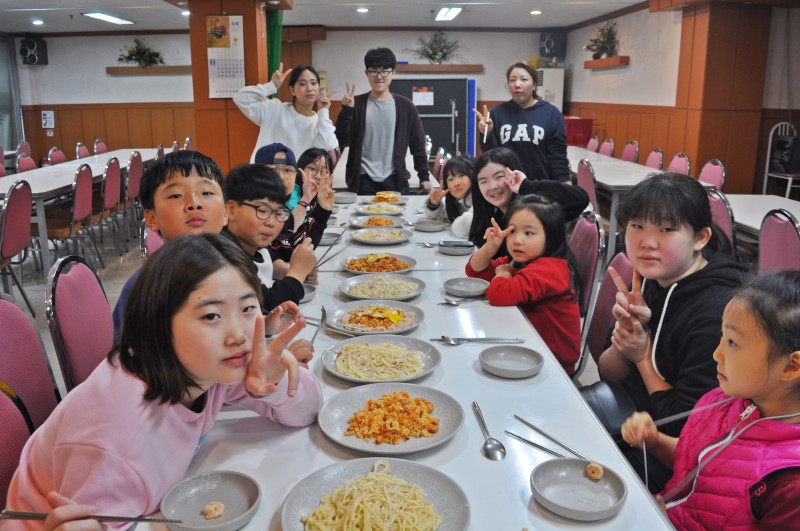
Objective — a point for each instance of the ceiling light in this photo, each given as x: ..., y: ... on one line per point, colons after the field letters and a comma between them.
x: 185, y: 13
x: 362, y: 9
x: 536, y: 12
x: 37, y: 22
x: 273, y: 2
x: 448, y: 13
x: 107, y: 18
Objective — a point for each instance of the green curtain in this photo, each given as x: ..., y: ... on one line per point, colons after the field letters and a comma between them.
x: 274, y: 31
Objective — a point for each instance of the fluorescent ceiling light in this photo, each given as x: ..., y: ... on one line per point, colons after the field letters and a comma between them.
x: 37, y: 22
x: 185, y: 13
x: 362, y: 10
x: 107, y: 18
x: 448, y: 13
x: 536, y: 12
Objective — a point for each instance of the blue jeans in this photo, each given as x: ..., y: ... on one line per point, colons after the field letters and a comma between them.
x: 366, y: 186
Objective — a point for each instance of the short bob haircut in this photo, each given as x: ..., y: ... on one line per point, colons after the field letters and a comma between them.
x: 459, y: 165
x: 165, y: 282
x: 678, y: 200
x: 380, y: 58
x: 173, y: 164
x: 310, y: 156
x: 483, y: 211
x: 255, y: 182
x: 528, y: 68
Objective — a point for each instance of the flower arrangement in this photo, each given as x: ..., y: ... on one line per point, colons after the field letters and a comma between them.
x: 140, y: 54
x: 604, y: 42
x: 437, y: 50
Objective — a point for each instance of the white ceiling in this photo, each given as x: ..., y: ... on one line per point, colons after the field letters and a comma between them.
x: 63, y: 16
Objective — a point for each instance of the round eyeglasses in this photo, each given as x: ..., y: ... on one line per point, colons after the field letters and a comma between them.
x: 264, y: 212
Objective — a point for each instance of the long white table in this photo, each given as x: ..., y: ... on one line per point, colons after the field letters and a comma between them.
x: 499, y: 492
x: 54, y: 181
x: 749, y: 210
x: 340, y: 170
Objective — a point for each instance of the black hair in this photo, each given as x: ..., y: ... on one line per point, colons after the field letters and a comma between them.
x: 165, y: 282
x: 175, y: 163
x: 250, y: 182
x: 297, y: 71
x: 459, y: 165
x: 528, y: 68
x: 482, y: 210
x: 679, y: 200
x: 774, y: 301
x: 310, y: 156
x: 380, y: 58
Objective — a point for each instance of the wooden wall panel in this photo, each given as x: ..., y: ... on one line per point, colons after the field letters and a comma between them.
x: 141, y: 131
x: 162, y: 125
x: 94, y: 126
x: 676, y: 141
x: 697, y: 66
x: 715, y: 131
x: 752, y: 47
x: 743, y: 149
x: 71, y: 131
x: 214, y: 138
x: 117, y: 134
x: 242, y: 137
x: 720, y: 57
x: 183, y: 122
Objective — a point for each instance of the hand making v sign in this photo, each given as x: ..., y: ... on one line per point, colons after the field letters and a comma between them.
x: 348, y: 100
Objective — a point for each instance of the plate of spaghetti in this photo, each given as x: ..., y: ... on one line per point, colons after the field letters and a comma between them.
x: 386, y: 286
x: 391, y: 418
x: 415, y: 496
x: 380, y: 236
x: 386, y: 197
x: 381, y: 358
x: 378, y: 263
x: 380, y: 208
x: 366, y: 222
x: 378, y: 317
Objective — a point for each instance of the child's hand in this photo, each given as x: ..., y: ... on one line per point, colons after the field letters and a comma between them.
x: 269, y: 363
x: 632, y: 344
x: 324, y: 98
x: 278, y: 77
x: 436, y: 195
x: 325, y: 196
x: 504, y: 270
x: 484, y: 120
x: 513, y: 179
x: 312, y: 278
x: 302, y: 261
x: 310, y: 186
x: 274, y: 323
x: 630, y: 304
x: 303, y: 351
x: 638, y: 427
x: 69, y: 516
x: 495, y: 237
x: 349, y: 98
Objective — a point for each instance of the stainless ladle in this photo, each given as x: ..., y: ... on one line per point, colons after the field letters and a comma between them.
x: 492, y: 448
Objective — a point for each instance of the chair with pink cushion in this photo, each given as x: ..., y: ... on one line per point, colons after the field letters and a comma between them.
x: 100, y: 146
x: 159, y: 151
x: 16, y: 430
x: 778, y: 242
x: 335, y: 155
x: 722, y: 214
x: 593, y: 144
x: 106, y: 204
x: 630, y: 153
x: 655, y: 159
x: 56, y: 156
x: 3, y: 171
x: 24, y: 147
x: 79, y: 317
x: 713, y: 173
x: 680, y: 164
x: 588, y: 247
x: 132, y: 213
x: 586, y: 181
x: 149, y: 241
x: 175, y: 146
x: 81, y: 151
x: 24, y: 162
x: 15, y: 233
x: 607, y: 147
x: 23, y: 362
x: 187, y: 144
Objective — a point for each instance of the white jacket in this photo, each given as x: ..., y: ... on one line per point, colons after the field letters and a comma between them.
x: 460, y: 226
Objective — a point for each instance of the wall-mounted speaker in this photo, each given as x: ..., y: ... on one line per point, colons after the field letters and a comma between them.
x: 33, y: 51
x: 553, y: 44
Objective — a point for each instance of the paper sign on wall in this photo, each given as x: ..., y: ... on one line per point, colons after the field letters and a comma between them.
x: 225, y: 42
x: 48, y: 119
x: 422, y: 96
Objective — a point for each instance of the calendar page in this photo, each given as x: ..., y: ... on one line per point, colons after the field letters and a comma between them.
x: 225, y: 55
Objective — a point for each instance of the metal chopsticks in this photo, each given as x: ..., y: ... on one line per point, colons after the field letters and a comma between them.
x: 531, y: 443
x: 28, y: 515
x: 551, y: 438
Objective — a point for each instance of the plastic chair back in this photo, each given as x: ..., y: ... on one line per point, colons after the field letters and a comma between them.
x: 24, y: 147
x: 630, y: 153
x: 55, y: 156
x: 779, y: 242
x: 655, y: 159
x: 15, y: 220
x: 586, y: 181
x: 15, y: 434
x: 722, y: 214
x: 24, y: 162
x: 82, y: 200
x: 680, y: 164
x: 713, y: 173
x: 79, y: 317
x: 134, y: 175
x: 81, y: 151
x: 149, y: 241
x: 100, y: 146
x: 23, y: 362
x: 587, y: 244
x: 607, y: 147
x: 593, y: 144
x: 112, y: 179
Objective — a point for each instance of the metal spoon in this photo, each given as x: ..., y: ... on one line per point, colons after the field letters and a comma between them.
x: 451, y: 302
x: 322, y: 322
x: 492, y: 448
x: 426, y: 244
x: 461, y: 340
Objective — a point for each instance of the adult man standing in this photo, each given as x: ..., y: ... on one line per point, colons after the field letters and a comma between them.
x: 380, y: 127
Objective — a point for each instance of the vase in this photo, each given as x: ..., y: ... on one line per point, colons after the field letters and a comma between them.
x: 596, y: 55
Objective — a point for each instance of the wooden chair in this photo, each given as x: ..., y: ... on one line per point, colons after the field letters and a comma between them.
x: 630, y: 153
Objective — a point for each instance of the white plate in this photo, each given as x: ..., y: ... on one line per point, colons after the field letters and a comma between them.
x: 431, y: 357
x: 456, y: 251
x: 308, y: 293
x: 185, y: 501
x: 336, y: 410
x: 344, y: 198
x: 429, y: 225
x: 347, y: 284
x: 414, y: 317
x: 466, y: 287
x: 360, y: 221
x: 364, y: 210
x: 360, y: 236
x: 562, y: 487
x: 369, y: 201
x: 328, y: 238
x: 445, y: 494
x: 404, y: 258
x: 511, y: 361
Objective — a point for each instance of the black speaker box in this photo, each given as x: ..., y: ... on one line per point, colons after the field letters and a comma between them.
x: 553, y: 44
x: 33, y: 51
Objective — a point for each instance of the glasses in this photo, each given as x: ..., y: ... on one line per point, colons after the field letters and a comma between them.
x: 374, y: 72
x: 322, y: 172
x: 264, y: 212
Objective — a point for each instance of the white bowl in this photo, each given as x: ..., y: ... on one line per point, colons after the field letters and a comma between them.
x: 240, y: 494
x: 511, y: 361
x: 344, y: 198
x: 308, y: 293
x: 456, y: 251
x: 466, y: 287
x: 429, y: 225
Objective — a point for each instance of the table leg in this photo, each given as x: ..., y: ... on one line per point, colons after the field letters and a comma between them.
x: 612, y: 226
x: 41, y: 221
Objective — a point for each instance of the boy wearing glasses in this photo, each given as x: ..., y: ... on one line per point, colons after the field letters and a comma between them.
x: 256, y: 217
x: 380, y: 127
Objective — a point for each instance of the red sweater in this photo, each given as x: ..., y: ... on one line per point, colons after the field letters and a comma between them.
x: 543, y: 290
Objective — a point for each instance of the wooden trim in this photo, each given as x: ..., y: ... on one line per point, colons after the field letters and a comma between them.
x: 149, y: 71
x: 103, y: 33
x: 439, y: 69
x: 104, y: 106
x: 608, y: 16
x: 608, y: 62
x: 475, y: 29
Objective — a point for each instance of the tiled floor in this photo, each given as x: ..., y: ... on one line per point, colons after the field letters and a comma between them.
x: 117, y: 271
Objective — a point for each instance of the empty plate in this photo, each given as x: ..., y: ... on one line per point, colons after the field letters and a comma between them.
x: 345, y: 197
x: 239, y: 493
x: 510, y: 361
x: 466, y: 287
x: 561, y: 486
x: 460, y: 250
x: 308, y: 293
x: 429, y: 225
